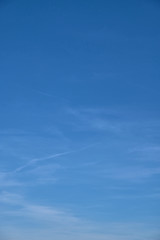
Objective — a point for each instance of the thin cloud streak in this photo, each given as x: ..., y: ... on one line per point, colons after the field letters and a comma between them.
x: 63, y: 224
x: 36, y: 160
x: 52, y: 156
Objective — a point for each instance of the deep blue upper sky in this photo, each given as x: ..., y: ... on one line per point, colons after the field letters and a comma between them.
x: 79, y: 119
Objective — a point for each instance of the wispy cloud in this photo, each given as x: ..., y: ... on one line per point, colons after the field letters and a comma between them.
x: 42, y: 174
x: 37, y: 160
x: 114, y: 120
x: 87, y: 119
x: 136, y: 196
x: 7, y: 180
x: 11, y: 198
x: 146, y: 152
x: 135, y: 173
x: 63, y: 224
x: 52, y: 156
x: 36, y: 171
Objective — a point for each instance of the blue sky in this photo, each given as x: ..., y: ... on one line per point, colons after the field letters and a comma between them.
x: 80, y: 120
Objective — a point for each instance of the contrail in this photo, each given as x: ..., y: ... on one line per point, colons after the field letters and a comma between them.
x: 52, y: 156
x: 35, y: 160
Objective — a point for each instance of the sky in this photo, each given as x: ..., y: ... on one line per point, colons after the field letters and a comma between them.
x: 79, y: 120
